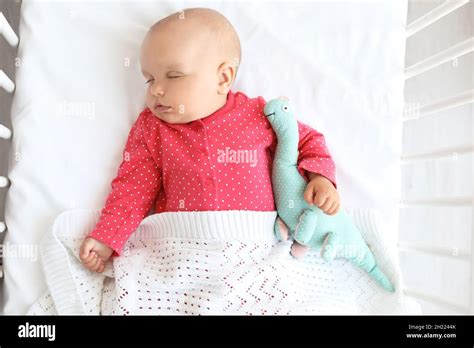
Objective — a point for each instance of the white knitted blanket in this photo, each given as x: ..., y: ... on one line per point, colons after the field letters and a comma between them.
x: 222, y: 262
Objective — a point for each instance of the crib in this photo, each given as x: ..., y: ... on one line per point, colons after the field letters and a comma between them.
x: 420, y: 85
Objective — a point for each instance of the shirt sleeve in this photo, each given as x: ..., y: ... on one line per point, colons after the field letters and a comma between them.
x: 313, y: 154
x: 133, y: 192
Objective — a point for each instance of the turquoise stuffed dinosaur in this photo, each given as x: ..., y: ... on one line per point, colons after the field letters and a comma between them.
x: 335, y: 235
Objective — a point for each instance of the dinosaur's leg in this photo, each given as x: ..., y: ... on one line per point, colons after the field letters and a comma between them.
x: 305, y: 229
x: 281, y: 232
x: 303, y: 233
x: 280, y: 229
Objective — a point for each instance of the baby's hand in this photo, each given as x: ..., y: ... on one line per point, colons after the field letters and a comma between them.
x: 322, y: 193
x: 94, y: 254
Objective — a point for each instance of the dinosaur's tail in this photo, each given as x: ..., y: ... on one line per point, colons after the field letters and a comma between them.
x: 377, y: 275
x: 368, y: 263
x: 359, y: 254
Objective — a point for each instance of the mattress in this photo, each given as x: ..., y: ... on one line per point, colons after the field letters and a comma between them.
x: 79, y: 90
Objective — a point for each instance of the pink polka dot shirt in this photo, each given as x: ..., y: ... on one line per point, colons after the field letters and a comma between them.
x: 219, y: 162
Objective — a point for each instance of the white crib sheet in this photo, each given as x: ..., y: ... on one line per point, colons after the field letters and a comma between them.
x: 79, y: 89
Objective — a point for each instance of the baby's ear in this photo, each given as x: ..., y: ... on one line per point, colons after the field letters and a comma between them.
x: 226, y: 72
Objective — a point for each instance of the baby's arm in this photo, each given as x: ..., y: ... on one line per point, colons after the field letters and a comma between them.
x: 316, y: 164
x: 133, y: 192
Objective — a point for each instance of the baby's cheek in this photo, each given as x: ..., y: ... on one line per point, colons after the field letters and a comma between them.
x: 149, y: 101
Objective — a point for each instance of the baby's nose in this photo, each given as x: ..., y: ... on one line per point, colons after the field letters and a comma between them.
x: 157, y: 89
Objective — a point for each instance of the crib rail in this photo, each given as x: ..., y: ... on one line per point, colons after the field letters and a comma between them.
x: 450, y: 102
x: 435, y: 109
x: 8, y: 85
x: 413, y: 112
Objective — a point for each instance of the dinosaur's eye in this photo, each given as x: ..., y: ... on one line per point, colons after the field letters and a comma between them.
x: 284, y: 108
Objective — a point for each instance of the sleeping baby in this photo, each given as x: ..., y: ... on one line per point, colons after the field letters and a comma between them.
x: 198, y: 146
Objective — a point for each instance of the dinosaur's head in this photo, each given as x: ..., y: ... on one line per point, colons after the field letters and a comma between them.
x: 279, y: 113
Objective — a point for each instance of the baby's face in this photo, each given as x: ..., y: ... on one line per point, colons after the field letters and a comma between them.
x: 181, y: 74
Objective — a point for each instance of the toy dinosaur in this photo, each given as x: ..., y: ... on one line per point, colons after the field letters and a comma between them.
x: 335, y: 235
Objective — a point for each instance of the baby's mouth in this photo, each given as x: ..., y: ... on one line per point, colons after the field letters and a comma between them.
x: 162, y: 108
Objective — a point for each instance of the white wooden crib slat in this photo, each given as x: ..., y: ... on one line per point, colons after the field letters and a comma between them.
x: 454, y: 252
x: 416, y: 111
x: 449, y: 82
x: 447, y: 132
x: 6, y: 83
x: 460, y: 99
x: 437, y: 202
x: 458, y: 150
x: 434, y: 15
x: 3, y: 181
x: 7, y: 31
x: 448, y: 54
x: 5, y: 132
x: 437, y: 226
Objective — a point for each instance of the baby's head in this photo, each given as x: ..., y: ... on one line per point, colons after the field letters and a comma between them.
x: 189, y: 60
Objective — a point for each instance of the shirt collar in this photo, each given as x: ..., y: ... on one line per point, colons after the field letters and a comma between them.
x: 228, y: 106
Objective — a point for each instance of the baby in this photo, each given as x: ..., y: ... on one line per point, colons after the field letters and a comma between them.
x: 198, y: 146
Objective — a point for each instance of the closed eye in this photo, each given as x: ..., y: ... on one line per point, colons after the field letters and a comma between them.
x: 174, y: 74
x: 148, y: 81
